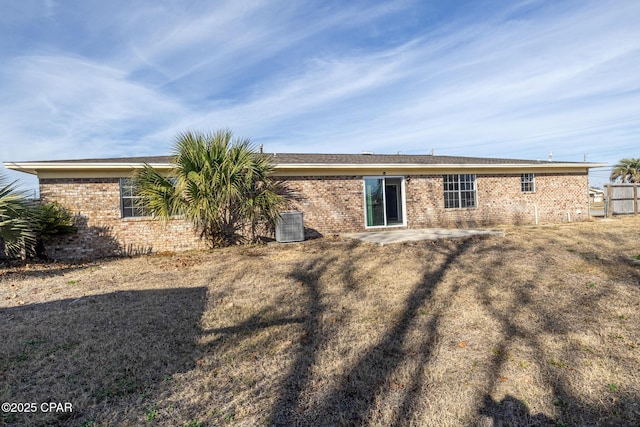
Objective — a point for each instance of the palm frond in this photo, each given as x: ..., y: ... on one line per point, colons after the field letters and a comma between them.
x: 17, y: 229
x: 157, y: 192
x: 628, y: 170
x: 51, y: 220
x: 221, y: 184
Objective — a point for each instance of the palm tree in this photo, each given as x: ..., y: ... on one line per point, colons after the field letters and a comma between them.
x: 628, y: 170
x: 49, y: 220
x: 221, y: 184
x: 16, y: 229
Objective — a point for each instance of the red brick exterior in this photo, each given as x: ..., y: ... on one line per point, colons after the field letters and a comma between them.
x: 101, y: 230
x: 500, y: 200
x: 331, y: 205
x: 336, y: 204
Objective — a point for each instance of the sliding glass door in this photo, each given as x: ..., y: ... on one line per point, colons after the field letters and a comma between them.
x: 384, y: 201
x: 374, y: 199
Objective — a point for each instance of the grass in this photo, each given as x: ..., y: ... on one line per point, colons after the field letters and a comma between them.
x: 612, y: 387
x: 152, y: 413
x: 514, y: 330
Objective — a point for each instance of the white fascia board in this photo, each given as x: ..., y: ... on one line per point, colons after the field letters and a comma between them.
x: 34, y: 167
x: 541, y: 165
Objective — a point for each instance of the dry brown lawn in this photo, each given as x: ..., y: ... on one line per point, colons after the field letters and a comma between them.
x: 540, y: 327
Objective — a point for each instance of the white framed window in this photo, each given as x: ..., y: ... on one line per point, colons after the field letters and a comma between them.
x: 528, y: 182
x: 460, y: 191
x: 131, y: 205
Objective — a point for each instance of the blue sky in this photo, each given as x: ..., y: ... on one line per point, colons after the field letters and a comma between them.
x: 84, y: 79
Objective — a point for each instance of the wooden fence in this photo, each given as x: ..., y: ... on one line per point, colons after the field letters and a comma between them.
x: 622, y: 199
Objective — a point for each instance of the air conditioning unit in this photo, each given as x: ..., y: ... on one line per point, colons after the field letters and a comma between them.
x: 290, y: 227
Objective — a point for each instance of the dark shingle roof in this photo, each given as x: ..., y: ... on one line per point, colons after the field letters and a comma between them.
x: 341, y: 159
x: 147, y: 159
x: 413, y: 159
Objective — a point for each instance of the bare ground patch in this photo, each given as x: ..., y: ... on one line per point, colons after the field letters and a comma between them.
x: 539, y: 327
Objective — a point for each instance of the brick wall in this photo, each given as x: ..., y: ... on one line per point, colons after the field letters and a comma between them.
x: 101, y: 230
x: 336, y: 204
x: 331, y: 205
x: 500, y: 201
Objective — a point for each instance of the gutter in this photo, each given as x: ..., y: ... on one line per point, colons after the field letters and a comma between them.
x: 35, y: 168
x: 536, y: 165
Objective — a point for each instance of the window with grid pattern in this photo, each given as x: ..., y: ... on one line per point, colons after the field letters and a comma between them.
x: 460, y: 191
x: 130, y: 202
x: 528, y: 183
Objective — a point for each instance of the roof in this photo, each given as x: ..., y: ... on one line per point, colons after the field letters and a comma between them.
x: 291, y: 164
x: 401, y: 159
x: 317, y: 158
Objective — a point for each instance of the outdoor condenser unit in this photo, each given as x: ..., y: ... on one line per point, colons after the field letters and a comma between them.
x: 290, y: 227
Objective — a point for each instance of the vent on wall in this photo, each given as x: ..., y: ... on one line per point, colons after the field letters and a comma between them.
x: 290, y: 227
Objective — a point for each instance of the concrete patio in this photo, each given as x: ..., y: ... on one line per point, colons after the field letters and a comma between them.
x: 397, y: 236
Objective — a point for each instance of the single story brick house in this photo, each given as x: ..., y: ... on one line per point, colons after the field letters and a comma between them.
x: 337, y: 193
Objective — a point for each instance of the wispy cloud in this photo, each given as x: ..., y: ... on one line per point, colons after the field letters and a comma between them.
x: 62, y: 105
x: 487, y: 84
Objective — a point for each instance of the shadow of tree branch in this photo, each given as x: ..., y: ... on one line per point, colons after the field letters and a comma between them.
x: 571, y: 408
x: 286, y: 408
x: 352, y: 401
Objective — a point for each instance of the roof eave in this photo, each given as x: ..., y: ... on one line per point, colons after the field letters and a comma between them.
x: 35, y: 167
x: 439, y: 165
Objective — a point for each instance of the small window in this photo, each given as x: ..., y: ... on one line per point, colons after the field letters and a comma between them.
x: 528, y: 183
x: 130, y: 201
x: 460, y: 191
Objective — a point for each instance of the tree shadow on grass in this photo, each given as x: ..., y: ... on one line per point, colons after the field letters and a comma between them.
x: 352, y: 401
x: 512, y: 412
x: 95, y: 351
x: 40, y: 270
x: 557, y: 367
x: 288, y: 403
